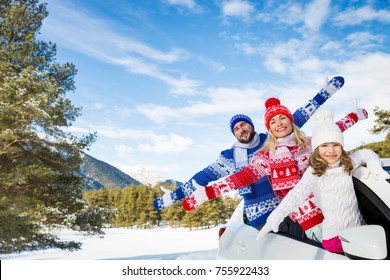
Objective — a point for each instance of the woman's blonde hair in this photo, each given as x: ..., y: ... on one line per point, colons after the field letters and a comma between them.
x: 270, y: 143
x: 319, y: 165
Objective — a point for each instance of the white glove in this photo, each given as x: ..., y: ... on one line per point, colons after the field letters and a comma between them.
x: 166, y: 196
x: 329, y: 87
x: 194, y: 200
x: 360, y: 112
x: 263, y: 231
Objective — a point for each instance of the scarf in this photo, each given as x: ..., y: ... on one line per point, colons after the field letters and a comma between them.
x: 240, y: 151
x: 241, y: 159
x: 285, y: 173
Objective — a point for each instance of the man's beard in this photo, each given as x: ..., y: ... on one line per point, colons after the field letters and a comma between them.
x: 252, y: 134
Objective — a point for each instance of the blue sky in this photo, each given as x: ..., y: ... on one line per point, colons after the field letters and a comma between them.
x: 159, y: 80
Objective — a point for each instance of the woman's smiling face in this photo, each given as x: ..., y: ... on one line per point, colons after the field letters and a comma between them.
x: 280, y: 126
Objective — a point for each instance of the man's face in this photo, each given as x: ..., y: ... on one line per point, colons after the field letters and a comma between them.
x: 244, y: 132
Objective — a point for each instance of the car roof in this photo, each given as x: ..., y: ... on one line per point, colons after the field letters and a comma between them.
x: 385, y: 161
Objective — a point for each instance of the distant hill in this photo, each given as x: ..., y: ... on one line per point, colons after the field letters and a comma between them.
x: 102, y: 174
x: 172, y: 182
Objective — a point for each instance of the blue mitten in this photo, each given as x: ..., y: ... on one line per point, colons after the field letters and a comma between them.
x: 303, y: 114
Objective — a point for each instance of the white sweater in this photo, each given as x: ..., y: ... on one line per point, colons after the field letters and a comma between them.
x: 334, y: 194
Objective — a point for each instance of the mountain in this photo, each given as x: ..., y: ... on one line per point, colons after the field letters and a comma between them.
x: 146, y: 176
x: 149, y: 178
x: 172, y: 182
x: 102, y: 174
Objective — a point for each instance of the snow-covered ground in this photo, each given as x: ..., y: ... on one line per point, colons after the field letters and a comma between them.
x: 149, y: 253
x: 163, y: 243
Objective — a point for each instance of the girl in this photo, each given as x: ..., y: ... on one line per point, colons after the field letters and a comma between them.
x: 283, y: 158
x: 329, y: 178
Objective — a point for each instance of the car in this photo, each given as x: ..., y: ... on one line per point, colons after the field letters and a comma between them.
x: 386, y: 164
x: 237, y: 239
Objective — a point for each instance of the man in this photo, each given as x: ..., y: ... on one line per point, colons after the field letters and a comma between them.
x: 259, y: 198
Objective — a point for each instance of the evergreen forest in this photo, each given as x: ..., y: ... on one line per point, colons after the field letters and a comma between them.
x: 133, y: 207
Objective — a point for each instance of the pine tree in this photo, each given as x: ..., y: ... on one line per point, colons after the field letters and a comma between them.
x: 41, y: 182
x: 382, y: 122
x: 152, y: 213
x: 174, y: 214
x: 382, y: 125
x: 127, y: 208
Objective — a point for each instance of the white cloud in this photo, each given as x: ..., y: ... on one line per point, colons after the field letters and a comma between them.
x: 237, y: 8
x: 188, y: 4
x: 289, y: 13
x: 246, y: 48
x: 166, y: 144
x: 151, y: 142
x: 332, y: 46
x: 123, y: 112
x: 122, y: 133
x: 99, y: 106
x: 218, y: 101
x: 276, y: 65
x: 316, y: 14
x: 123, y: 150
x: 360, y: 15
x: 364, y: 40
x: 289, y: 56
x: 312, y: 16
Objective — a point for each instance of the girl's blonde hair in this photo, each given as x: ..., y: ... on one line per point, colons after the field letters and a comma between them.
x: 270, y: 143
x: 319, y: 165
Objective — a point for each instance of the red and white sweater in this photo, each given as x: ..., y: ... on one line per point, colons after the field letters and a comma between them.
x: 284, y: 168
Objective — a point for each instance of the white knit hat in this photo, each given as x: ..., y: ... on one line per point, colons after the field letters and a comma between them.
x: 325, y: 130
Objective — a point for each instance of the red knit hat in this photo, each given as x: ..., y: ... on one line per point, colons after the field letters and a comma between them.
x: 274, y: 108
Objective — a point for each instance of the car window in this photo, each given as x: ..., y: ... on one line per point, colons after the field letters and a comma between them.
x: 387, y: 168
x: 373, y: 209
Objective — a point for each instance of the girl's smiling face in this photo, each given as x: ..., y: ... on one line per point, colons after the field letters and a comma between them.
x: 280, y: 126
x: 330, y: 152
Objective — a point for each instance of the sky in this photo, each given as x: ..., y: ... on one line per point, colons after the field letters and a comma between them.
x: 159, y: 80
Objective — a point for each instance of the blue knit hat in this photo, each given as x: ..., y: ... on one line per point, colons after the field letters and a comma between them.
x: 240, y: 118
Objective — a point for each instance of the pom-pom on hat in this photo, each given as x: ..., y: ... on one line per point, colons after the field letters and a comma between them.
x: 240, y: 118
x: 325, y: 130
x: 273, y: 108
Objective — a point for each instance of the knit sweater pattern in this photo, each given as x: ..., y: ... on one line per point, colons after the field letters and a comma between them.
x: 259, y: 198
x: 335, y: 196
x: 308, y: 214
